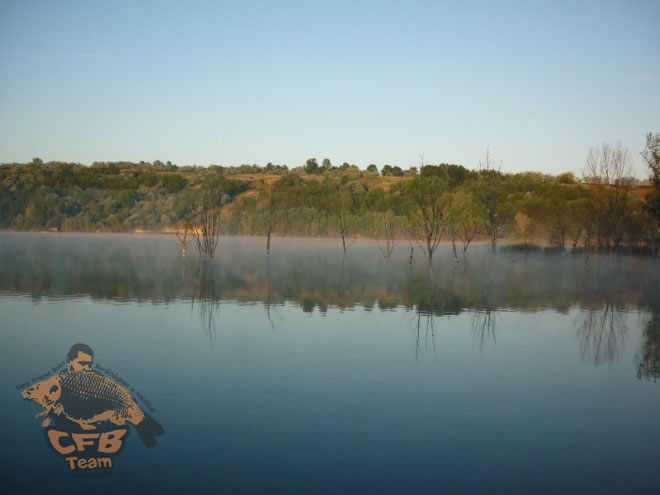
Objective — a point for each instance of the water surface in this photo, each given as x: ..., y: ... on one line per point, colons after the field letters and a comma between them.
x: 308, y: 371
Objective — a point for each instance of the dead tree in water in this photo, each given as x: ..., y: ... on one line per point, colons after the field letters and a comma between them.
x: 389, y: 231
x: 344, y: 211
x: 608, y: 169
x: 208, y: 233
x: 464, y: 220
x: 270, y: 209
x: 489, y: 195
x: 429, y: 212
x: 183, y: 238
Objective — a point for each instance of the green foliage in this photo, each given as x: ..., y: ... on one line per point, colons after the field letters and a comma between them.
x: 124, y: 196
x: 173, y: 183
x: 311, y: 167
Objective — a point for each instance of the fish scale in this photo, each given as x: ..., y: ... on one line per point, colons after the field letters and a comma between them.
x: 85, y: 394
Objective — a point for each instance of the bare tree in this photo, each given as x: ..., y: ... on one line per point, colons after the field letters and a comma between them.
x: 608, y: 169
x: 183, y: 237
x: 464, y: 220
x: 651, y: 156
x: 489, y: 196
x: 344, y: 211
x: 429, y: 213
x: 388, y: 229
x: 270, y: 210
x: 207, y: 234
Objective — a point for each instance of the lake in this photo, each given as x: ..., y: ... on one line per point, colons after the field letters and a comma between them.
x: 307, y: 371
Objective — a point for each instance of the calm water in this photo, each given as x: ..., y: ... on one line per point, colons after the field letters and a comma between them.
x: 305, y: 371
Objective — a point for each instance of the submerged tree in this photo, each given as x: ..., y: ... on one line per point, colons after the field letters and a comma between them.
x: 608, y: 168
x: 386, y: 232
x: 489, y: 194
x: 182, y: 237
x: 464, y: 219
x: 429, y: 210
x: 269, y: 206
x: 207, y: 231
x: 346, y: 232
x: 651, y: 156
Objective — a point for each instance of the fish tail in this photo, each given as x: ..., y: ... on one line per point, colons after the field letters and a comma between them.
x: 149, y: 429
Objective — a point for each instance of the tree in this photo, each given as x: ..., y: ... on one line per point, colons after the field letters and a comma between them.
x: 566, y: 178
x: 182, y: 238
x: 651, y: 156
x: 326, y: 164
x: 311, y: 167
x: 388, y: 230
x: 343, y: 205
x: 429, y: 210
x: 608, y: 168
x: 207, y: 232
x: 386, y: 170
x: 464, y: 219
x: 372, y: 168
x: 269, y: 207
x: 489, y: 194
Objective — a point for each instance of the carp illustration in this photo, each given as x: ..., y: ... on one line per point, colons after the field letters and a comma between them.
x: 90, y: 399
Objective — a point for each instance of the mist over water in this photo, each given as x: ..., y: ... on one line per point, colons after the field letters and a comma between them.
x: 306, y: 370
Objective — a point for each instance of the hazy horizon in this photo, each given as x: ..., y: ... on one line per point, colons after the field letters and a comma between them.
x: 231, y: 84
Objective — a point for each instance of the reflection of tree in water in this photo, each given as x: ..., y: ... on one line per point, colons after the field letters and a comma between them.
x: 602, y: 334
x: 268, y: 304
x: 484, y: 318
x: 484, y: 324
x: 206, y: 297
x: 340, y: 287
x: 424, y: 322
x: 430, y: 299
x: 649, y: 358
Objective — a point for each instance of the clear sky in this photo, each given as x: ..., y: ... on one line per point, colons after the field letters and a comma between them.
x: 538, y: 82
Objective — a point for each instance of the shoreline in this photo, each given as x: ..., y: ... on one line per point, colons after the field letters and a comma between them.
x: 154, y: 233
x: 508, y: 243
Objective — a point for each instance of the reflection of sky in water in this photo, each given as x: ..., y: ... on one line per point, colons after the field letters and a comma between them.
x: 505, y: 394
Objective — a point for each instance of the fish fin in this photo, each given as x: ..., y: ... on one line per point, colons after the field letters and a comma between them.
x: 149, y: 429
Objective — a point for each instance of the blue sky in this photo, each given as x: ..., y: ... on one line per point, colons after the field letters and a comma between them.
x: 362, y: 82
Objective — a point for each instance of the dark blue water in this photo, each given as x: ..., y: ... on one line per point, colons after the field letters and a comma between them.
x: 308, y: 372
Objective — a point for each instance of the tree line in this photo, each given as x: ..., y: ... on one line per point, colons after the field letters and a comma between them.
x: 605, y: 210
